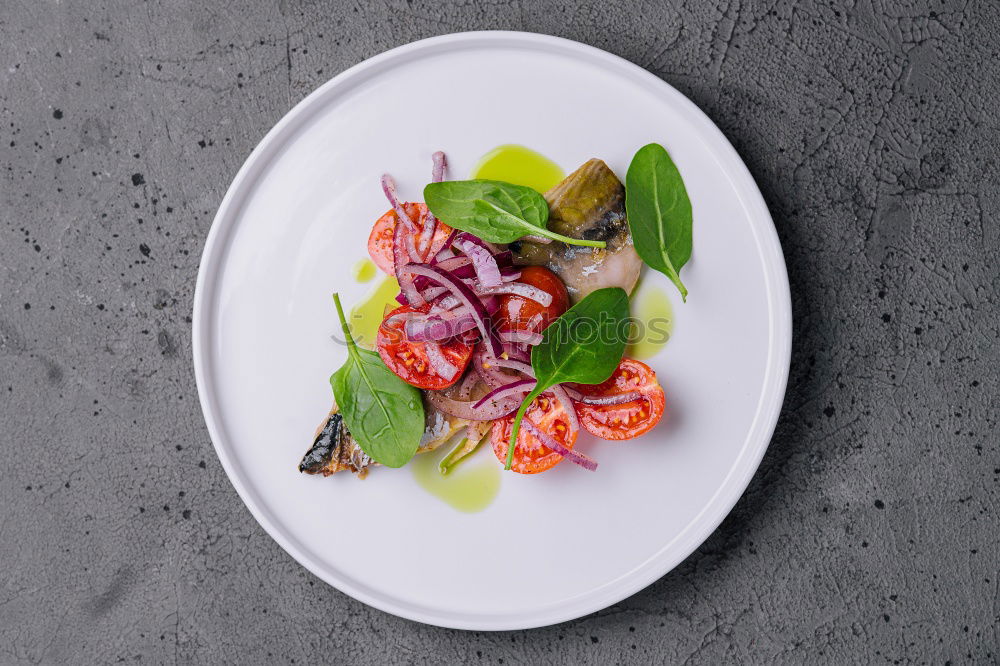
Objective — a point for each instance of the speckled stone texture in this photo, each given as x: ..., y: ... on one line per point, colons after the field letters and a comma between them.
x: 870, y: 533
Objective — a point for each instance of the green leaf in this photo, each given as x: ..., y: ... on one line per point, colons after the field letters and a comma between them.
x: 584, y: 346
x: 659, y: 212
x: 383, y: 413
x: 495, y: 211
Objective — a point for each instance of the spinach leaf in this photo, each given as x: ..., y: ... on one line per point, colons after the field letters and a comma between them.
x: 495, y: 211
x: 583, y: 346
x: 382, y: 412
x: 659, y: 212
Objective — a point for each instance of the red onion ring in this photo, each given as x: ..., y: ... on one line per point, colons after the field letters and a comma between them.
x: 513, y: 364
x: 550, y: 442
x: 483, y: 260
x: 487, y: 371
x: 464, y: 390
x: 464, y: 410
x: 510, y: 273
x: 406, y: 286
x: 619, y: 399
x: 439, y: 163
x: 444, y: 368
x: 570, y: 408
x: 520, y: 387
x: 528, y: 337
x: 528, y: 291
x: 440, y: 327
x: 516, y: 351
x: 468, y: 298
x: 389, y: 188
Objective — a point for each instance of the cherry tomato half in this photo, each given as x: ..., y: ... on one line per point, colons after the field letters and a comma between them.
x: 523, y: 314
x: 380, y: 239
x: 530, y: 455
x: 408, y: 359
x: 628, y: 419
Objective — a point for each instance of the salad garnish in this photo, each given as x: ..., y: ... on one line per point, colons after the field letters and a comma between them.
x: 583, y: 346
x: 383, y: 413
x: 495, y: 211
x: 659, y: 212
x: 505, y: 328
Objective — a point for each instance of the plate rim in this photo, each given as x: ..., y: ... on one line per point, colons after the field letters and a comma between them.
x: 759, y: 434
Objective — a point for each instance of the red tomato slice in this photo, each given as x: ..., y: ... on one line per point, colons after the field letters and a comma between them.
x: 518, y: 313
x: 380, y: 239
x: 408, y: 359
x: 530, y: 455
x: 628, y: 419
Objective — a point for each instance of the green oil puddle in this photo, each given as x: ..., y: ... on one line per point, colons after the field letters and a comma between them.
x: 516, y: 164
x: 470, y: 487
x: 367, y: 315
x: 364, y: 270
x: 654, y: 323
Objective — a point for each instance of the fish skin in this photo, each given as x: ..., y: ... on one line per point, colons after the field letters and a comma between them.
x: 588, y: 204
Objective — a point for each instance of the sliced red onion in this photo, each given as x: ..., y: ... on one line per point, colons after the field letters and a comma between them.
x: 516, y: 351
x: 535, y: 322
x: 430, y: 224
x: 441, y: 256
x: 435, y: 292
x: 485, y: 264
x: 464, y: 390
x: 449, y: 303
x: 464, y: 409
x: 492, y: 304
x: 468, y: 298
x: 453, y: 263
x: 520, y: 388
x: 550, y: 442
x: 427, y: 234
x: 504, y: 259
x: 403, y: 317
x: 466, y: 237
x: 389, y: 187
x: 441, y: 365
x: 513, y: 364
x: 406, y: 286
x: 527, y: 337
x: 510, y: 273
x: 440, y: 327
x: 619, y: 399
x: 445, y: 303
x: 487, y: 370
x: 528, y: 291
x: 568, y: 405
x: 439, y: 162
x: 448, y: 241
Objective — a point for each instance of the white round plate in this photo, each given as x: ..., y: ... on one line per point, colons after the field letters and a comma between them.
x: 551, y: 547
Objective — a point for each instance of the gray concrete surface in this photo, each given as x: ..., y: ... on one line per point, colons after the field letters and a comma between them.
x: 869, y: 535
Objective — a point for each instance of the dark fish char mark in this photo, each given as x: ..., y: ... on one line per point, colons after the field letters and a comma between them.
x: 318, y: 458
x: 333, y: 450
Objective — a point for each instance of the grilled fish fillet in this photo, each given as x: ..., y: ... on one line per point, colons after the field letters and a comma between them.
x: 588, y: 204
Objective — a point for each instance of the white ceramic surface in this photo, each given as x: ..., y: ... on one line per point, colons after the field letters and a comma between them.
x: 551, y: 547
